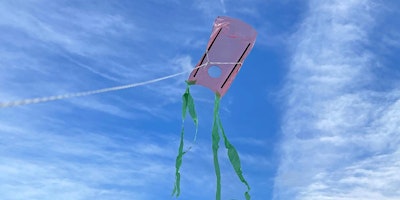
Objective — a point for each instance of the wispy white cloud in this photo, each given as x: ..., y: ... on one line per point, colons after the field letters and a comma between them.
x: 339, y: 133
x: 210, y: 8
x: 60, y: 49
x: 223, y: 6
x: 56, y: 151
x: 78, y: 31
x: 64, y: 161
x: 37, y: 164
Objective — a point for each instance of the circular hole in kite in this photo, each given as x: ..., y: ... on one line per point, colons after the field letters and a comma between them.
x: 214, y: 71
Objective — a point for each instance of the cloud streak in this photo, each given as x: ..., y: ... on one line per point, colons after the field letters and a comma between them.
x: 60, y: 49
x: 340, y: 134
x: 40, y: 164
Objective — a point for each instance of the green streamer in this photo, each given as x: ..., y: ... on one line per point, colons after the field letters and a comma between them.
x: 234, y: 159
x: 187, y: 104
x: 215, y: 146
x: 232, y: 152
x: 192, y: 109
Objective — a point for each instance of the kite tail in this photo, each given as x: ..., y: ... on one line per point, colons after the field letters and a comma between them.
x: 232, y: 153
x: 188, y: 104
x: 215, y: 146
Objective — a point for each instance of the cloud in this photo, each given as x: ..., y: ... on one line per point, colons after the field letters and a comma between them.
x: 210, y: 8
x: 63, y: 160
x: 59, y: 49
x: 339, y: 132
x: 80, y: 164
x: 223, y: 6
x: 71, y: 150
x: 78, y: 31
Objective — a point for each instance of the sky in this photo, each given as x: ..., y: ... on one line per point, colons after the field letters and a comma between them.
x: 314, y: 112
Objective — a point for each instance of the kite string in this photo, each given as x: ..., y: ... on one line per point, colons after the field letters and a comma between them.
x: 85, y: 93
x: 104, y: 90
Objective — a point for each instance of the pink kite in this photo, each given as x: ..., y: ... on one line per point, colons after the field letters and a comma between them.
x: 230, y: 42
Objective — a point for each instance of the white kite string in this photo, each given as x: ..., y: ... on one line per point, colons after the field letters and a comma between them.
x: 86, y: 93
x: 91, y: 92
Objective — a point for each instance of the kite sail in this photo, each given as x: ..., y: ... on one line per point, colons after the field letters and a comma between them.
x: 230, y: 42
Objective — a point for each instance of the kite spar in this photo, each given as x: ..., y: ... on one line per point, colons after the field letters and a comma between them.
x: 230, y: 42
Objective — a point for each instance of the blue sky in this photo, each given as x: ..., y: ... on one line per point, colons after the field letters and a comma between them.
x: 314, y: 112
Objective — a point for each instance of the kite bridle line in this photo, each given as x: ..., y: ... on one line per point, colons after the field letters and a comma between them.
x: 103, y: 90
x: 208, y: 62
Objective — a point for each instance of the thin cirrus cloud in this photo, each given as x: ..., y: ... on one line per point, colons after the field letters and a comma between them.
x: 340, y: 133
x: 48, y: 151
x: 48, y: 38
x: 79, y: 165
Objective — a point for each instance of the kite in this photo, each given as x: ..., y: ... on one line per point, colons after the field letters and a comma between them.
x: 230, y: 42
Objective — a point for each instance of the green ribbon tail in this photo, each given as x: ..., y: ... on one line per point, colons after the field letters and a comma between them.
x: 233, y: 158
x: 215, y: 146
x: 192, y: 109
x: 187, y: 104
x: 177, y: 190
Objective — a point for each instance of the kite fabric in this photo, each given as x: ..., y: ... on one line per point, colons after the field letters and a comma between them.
x: 230, y: 42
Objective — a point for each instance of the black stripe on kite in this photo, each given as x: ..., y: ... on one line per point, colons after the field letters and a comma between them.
x: 204, y: 56
x: 237, y: 63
